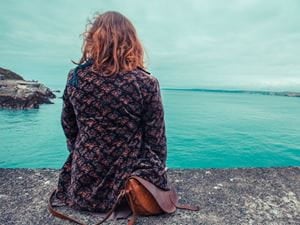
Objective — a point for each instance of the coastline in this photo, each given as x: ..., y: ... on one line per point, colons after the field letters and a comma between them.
x: 17, y: 93
x: 274, y: 93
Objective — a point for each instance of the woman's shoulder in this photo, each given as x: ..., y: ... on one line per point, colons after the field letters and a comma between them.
x: 145, y: 76
x: 73, y: 74
x: 145, y: 81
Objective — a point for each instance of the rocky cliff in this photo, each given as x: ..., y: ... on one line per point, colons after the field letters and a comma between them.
x: 17, y: 93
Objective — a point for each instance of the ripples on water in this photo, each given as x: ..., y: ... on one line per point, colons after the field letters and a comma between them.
x: 203, y: 130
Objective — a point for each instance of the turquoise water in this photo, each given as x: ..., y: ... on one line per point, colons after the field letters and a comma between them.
x: 204, y: 130
x: 241, y: 45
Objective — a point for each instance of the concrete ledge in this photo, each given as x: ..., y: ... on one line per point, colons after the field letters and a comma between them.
x: 230, y: 196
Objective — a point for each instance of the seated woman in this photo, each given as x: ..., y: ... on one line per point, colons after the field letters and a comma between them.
x: 112, y: 117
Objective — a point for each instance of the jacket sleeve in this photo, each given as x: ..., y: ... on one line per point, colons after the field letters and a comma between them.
x: 68, y: 120
x: 153, y: 123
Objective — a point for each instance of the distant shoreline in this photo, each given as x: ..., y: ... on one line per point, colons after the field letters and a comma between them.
x: 274, y: 93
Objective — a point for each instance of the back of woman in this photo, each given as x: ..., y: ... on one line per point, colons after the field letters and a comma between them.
x: 112, y: 117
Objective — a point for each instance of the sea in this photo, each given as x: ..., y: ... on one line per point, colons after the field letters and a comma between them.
x: 204, y: 130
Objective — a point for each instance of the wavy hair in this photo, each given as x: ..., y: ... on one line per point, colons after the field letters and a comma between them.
x: 111, y: 42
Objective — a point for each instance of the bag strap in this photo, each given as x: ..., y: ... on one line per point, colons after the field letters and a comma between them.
x: 59, y: 214
x: 174, y: 199
x: 186, y: 206
x: 132, y: 220
x: 120, y: 196
x: 66, y: 217
x: 123, y: 193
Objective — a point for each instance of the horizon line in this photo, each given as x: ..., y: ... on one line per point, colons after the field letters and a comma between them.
x: 238, y: 91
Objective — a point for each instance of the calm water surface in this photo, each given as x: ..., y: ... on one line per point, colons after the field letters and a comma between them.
x: 204, y: 130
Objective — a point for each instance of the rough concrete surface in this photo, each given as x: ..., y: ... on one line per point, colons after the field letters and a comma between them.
x: 225, y: 196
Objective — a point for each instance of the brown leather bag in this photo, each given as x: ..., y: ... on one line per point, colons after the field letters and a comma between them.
x: 144, y: 199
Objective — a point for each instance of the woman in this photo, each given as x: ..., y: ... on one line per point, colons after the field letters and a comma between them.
x: 112, y: 117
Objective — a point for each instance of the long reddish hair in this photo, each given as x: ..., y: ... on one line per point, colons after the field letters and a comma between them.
x: 111, y: 42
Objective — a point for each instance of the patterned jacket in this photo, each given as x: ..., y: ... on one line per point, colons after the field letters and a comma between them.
x: 114, y: 127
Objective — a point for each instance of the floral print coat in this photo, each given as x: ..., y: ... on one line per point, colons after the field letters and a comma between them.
x: 114, y: 127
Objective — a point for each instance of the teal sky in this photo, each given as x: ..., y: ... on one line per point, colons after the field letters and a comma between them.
x: 244, y: 44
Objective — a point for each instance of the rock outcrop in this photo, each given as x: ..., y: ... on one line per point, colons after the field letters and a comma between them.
x: 17, y: 93
x: 9, y: 75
